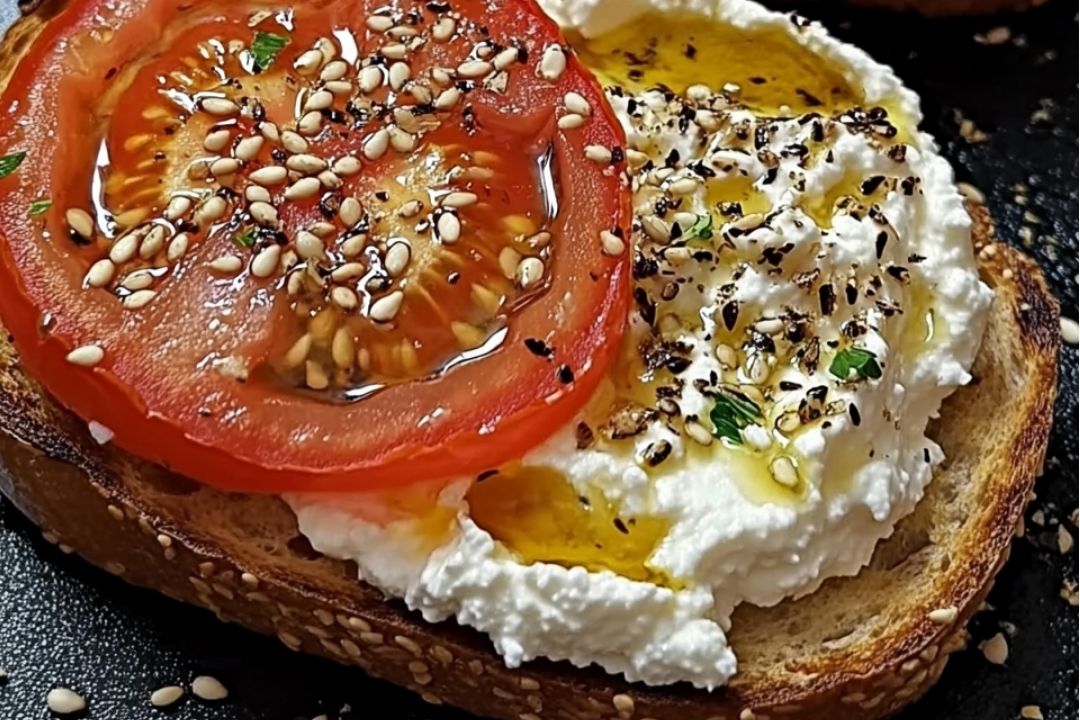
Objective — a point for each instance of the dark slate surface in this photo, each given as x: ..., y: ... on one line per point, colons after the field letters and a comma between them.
x: 64, y: 623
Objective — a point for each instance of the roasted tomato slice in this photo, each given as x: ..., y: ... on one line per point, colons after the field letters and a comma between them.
x: 347, y: 244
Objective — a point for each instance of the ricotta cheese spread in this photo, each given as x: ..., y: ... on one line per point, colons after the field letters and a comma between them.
x: 805, y: 298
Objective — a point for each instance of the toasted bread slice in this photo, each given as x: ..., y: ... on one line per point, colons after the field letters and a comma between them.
x: 858, y: 648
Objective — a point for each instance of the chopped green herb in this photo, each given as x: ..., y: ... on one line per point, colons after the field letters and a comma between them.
x: 702, y: 229
x: 244, y: 238
x: 10, y: 163
x: 265, y: 48
x: 733, y: 412
x: 39, y: 207
x: 855, y: 360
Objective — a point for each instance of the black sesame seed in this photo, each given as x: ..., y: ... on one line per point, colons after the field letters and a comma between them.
x: 539, y: 348
x: 856, y: 418
x: 565, y: 374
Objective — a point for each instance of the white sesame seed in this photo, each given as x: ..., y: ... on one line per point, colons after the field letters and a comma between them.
x: 611, y: 244
x: 138, y: 280
x: 598, y: 154
x: 449, y: 227
x: 769, y: 326
x: 699, y: 92
x: 505, y: 58
x: 346, y: 166
x: 1070, y: 331
x: 248, y: 148
x: 698, y: 433
x: 394, y: 51
x: 783, y: 471
x: 270, y: 131
x: 1031, y: 712
x: 996, y: 649
x: 320, y: 100
x: 227, y: 264
x: 166, y: 696
x: 353, y: 245
x: 552, y: 63
x: 322, y: 229
x: 458, y: 199
x: 100, y: 273
x: 530, y: 272
x: 329, y: 180
x: 577, y: 104
x: 441, y: 76
x: 444, y: 28
x: 411, y: 208
x: 344, y: 298
x: 266, y: 261
x: 178, y: 247
x: 348, y: 271
x: 294, y: 142
x: 400, y: 140
x: 309, y: 62
x: 386, y: 308
x: 306, y: 164
x: 264, y: 213
x: 471, y: 69
x: 269, y: 175
x: 371, y: 78
x: 342, y: 348
x: 124, y: 248
x: 399, y: 74
x: 683, y: 186
x: 448, y: 98
x: 315, y: 377
x: 217, y: 141
x: 310, y: 123
x: 655, y: 228
x: 178, y: 207
x: 376, y: 144
x: 509, y: 258
x: 397, y: 259
x: 339, y: 88
x: 334, y: 71
x: 139, y: 299
x: 65, y: 702
x: 350, y: 211
x: 212, y: 210
x: 224, y: 166
x: 221, y: 107
x: 401, y: 32
x: 257, y: 193
x: 206, y: 687
x: 944, y: 616
x: 571, y: 121
x: 309, y: 246
x: 86, y: 356
x: 303, y: 188
x: 379, y: 23
x: 80, y: 222
x: 300, y: 349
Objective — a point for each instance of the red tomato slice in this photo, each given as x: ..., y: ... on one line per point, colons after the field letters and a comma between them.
x: 426, y: 280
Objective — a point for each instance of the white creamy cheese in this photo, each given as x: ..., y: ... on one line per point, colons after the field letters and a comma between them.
x: 858, y: 471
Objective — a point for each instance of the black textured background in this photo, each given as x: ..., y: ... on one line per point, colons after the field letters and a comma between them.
x: 64, y: 623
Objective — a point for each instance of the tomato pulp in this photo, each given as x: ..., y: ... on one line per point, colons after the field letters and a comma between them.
x: 339, y: 246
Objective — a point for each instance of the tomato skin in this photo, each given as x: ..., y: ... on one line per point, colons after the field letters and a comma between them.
x: 150, y: 390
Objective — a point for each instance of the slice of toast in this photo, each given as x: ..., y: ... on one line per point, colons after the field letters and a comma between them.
x: 859, y: 648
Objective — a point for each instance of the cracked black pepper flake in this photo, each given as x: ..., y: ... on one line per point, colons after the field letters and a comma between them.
x: 584, y: 436
x: 827, y: 299
x: 539, y: 348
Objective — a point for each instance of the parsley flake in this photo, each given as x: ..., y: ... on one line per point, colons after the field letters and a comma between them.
x: 265, y: 48
x: 245, y: 238
x: 10, y: 163
x: 855, y: 363
x: 40, y: 207
x: 732, y: 413
x: 702, y: 229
